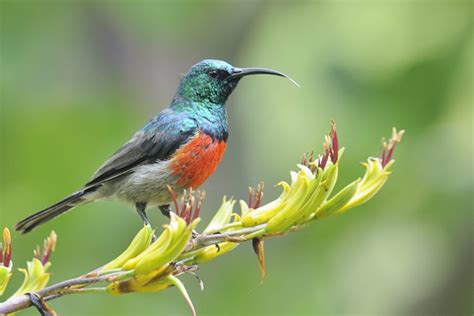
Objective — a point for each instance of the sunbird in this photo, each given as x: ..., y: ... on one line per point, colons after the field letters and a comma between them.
x: 180, y: 147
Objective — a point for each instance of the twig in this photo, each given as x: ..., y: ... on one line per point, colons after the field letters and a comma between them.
x: 51, y: 292
x: 179, y: 261
x: 75, y: 286
x: 202, y: 241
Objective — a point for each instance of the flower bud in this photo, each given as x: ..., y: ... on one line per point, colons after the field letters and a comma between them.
x: 288, y: 215
x: 154, y: 283
x: 5, y: 275
x: 265, y: 212
x: 338, y: 201
x: 179, y: 239
x: 6, y: 263
x: 324, y: 184
x: 159, y: 244
x: 213, y: 251
x: 138, y: 245
x: 373, y: 180
x: 222, y: 217
x: 36, y: 277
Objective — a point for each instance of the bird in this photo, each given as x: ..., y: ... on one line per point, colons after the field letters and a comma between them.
x: 179, y: 148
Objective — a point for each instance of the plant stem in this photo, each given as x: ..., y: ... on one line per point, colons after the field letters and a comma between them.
x: 202, y: 241
x: 77, y: 285
x: 17, y: 303
x: 225, y: 227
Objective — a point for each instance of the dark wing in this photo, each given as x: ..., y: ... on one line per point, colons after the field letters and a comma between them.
x: 158, y: 140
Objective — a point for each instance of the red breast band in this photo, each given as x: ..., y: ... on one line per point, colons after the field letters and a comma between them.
x: 195, y: 161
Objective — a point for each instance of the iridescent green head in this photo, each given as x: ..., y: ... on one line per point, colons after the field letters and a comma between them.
x: 212, y: 81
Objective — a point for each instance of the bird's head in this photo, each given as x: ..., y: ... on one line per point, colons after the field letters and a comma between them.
x: 212, y: 81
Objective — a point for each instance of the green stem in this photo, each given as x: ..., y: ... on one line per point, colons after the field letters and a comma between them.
x: 88, y: 290
x: 225, y: 227
x: 258, y: 233
x: 107, y: 272
x: 126, y: 275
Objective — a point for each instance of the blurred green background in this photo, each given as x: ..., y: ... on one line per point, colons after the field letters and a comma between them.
x: 78, y: 78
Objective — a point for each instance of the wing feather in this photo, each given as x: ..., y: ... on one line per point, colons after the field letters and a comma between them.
x: 158, y: 140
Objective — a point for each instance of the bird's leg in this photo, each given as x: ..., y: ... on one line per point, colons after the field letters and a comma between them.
x: 165, y: 210
x: 41, y: 305
x: 141, y: 210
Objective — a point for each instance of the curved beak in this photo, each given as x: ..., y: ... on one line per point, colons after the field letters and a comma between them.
x: 241, y: 72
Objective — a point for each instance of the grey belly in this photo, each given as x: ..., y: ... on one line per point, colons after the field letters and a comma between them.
x: 147, y: 184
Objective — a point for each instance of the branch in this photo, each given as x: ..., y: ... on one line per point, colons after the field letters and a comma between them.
x: 147, y: 266
x: 59, y: 289
x: 74, y: 286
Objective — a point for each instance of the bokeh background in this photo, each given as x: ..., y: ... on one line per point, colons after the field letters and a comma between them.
x: 78, y: 78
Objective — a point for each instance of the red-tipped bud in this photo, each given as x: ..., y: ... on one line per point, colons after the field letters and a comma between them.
x: 388, y: 148
x: 173, y: 198
x: 330, y: 146
x: 6, y: 253
x: 255, y: 196
x: 197, y: 209
x: 322, y: 160
x: 190, y: 204
x: 49, y: 245
x: 308, y: 161
x: 334, y: 147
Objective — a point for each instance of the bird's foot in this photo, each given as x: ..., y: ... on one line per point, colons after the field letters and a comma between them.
x: 165, y: 210
x: 43, y: 308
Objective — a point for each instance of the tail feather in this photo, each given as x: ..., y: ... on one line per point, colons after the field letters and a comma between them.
x: 29, y: 223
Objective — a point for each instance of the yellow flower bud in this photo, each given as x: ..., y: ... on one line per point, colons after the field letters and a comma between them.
x: 179, y: 240
x: 222, y: 217
x: 160, y: 244
x: 154, y: 283
x: 213, y: 251
x: 35, y: 279
x: 373, y: 180
x: 138, y: 245
x: 6, y: 263
x: 288, y: 215
x: 338, y: 201
x: 5, y: 275
x: 264, y: 213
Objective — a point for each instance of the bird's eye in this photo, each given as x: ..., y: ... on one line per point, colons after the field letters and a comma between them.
x: 214, y: 74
